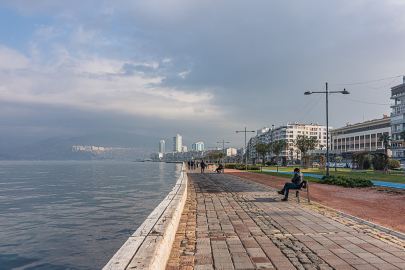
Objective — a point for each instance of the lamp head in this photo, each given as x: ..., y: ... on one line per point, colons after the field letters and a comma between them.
x: 307, y: 93
x: 237, y: 131
x: 345, y: 92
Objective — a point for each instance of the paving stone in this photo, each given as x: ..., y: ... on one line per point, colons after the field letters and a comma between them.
x: 232, y: 223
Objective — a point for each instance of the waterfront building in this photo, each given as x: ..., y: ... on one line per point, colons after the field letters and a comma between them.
x: 231, y: 152
x: 184, y: 148
x: 288, y: 133
x: 398, y: 121
x: 199, y: 146
x: 361, y: 136
x: 156, y: 157
x: 162, y: 146
x: 177, y: 143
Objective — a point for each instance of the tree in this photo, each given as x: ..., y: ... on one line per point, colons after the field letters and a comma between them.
x: 278, y: 147
x: 292, y: 155
x: 262, y: 149
x: 380, y: 162
x: 384, y: 138
x: 304, y: 143
x: 359, y: 158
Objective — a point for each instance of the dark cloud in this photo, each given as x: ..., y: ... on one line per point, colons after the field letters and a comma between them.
x: 256, y: 60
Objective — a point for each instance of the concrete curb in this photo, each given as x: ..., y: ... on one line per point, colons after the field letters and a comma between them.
x: 150, y: 245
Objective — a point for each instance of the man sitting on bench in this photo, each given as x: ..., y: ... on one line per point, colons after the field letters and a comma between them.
x: 295, y: 184
x: 220, y: 167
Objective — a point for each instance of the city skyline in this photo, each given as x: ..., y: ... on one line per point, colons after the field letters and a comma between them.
x: 156, y: 68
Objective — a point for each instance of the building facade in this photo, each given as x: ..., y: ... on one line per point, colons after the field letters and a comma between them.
x: 288, y: 133
x: 231, y: 152
x: 162, y: 146
x: 199, y: 146
x: 398, y: 121
x: 361, y: 136
x: 177, y: 143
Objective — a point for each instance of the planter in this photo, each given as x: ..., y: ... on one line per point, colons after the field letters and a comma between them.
x: 355, y: 170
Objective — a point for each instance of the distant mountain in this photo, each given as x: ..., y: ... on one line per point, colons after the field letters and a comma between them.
x: 50, y: 149
x: 116, y: 139
x: 61, y: 149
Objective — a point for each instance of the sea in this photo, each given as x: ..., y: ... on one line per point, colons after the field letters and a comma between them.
x: 75, y: 214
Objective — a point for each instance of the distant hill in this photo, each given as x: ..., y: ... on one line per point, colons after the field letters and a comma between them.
x: 116, y: 139
x: 61, y: 149
x: 50, y: 149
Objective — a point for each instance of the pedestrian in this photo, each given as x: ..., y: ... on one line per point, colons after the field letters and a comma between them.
x: 202, y: 166
x: 295, y: 184
x: 189, y: 165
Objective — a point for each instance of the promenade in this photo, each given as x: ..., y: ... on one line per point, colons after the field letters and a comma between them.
x: 230, y: 222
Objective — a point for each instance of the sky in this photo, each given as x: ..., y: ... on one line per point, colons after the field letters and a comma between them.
x: 201, y: 69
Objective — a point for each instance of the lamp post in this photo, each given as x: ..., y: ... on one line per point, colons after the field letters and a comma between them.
x: 223, y: 144
x: 223, y: 147
x: 327, y: 92
x: 245, y: 131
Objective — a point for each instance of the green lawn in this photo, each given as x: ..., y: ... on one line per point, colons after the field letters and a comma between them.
x: 395, y: 177
x: 287, y: 176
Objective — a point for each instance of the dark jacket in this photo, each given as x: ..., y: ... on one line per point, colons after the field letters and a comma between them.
x: 297, y: 179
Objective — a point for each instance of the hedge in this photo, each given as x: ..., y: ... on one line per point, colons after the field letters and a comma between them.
x: 345, y: 181
x: 239, y: 166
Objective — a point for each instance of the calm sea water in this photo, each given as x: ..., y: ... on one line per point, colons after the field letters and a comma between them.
x: 75, y: 215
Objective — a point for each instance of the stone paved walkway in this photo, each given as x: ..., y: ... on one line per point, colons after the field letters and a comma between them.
x: 233, y: 223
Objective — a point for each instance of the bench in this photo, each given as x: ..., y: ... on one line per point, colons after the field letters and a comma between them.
x: 304, y: 186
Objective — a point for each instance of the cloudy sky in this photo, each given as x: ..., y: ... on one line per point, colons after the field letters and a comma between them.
x: 203, y: 69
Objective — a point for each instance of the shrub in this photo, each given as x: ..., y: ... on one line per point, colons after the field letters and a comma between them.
x: 393, y: 163
x: 346, y: 181
x: 231, y: 165
x: 239, y: 166
x: 380, y: 162
x: 367, y: 162
x: 268, y: 163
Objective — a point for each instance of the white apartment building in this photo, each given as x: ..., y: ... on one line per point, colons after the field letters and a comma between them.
x: 288, y: 133
x: 162, y: 146
x: 199, y: 146
x: 231, y: 152
x: 398, y: 120
x: 177, y: 143
x: 184, y: 148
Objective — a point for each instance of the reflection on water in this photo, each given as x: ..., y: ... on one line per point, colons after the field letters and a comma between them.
x: 75, y: 215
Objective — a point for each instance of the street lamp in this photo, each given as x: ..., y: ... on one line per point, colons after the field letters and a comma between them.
x: 223, y: 144
x: 223, y: 147
x: 245, y: 131
x: 327, y: 92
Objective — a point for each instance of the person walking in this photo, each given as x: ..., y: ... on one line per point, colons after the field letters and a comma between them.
x: 202, y: 165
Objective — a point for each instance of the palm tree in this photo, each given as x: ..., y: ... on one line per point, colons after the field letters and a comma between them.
x: 384, y: 138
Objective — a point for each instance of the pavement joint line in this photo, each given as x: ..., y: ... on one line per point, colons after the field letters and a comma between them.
x: 359, y: 220
x: 260, y: 224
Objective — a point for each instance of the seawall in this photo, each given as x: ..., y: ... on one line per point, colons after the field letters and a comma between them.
x: 150, y: 245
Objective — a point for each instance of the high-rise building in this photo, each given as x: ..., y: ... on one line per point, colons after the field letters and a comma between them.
x: 177, y: 143
x: 162, y: 146
x: 398, y: 121
x: 199, y: 146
